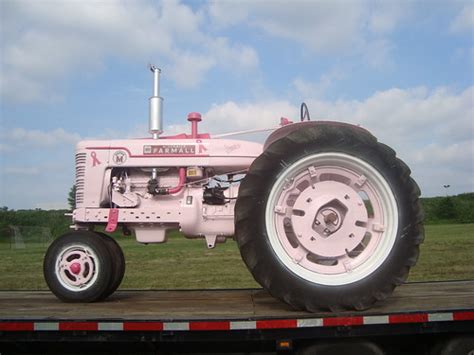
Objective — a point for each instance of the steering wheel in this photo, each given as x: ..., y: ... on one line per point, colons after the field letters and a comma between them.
x: 304, y: 112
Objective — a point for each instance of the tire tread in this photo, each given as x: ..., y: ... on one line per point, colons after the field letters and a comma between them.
x: 248, y: 214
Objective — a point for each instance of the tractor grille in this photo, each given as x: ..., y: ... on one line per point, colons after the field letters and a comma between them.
x: 80, y: 174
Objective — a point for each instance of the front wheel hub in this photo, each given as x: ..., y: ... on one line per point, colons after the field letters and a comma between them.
x: 332, y: 219
x: 75, y: 268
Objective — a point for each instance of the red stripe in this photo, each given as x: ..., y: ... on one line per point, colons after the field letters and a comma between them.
x: 209, y: 325
x: 16, y: 326
x: 277, y: 323
x: 94, y: 326
x: 463, y: 315
x: 342, y: 321
x: 156, y: 326
x: 170, y: 156
x: 154, y: 155
x: 408, y: 318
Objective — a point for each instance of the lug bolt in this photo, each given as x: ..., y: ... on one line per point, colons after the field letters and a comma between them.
x: 330, y: 218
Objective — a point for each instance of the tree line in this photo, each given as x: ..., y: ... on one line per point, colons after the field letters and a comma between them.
x: 438, y: 210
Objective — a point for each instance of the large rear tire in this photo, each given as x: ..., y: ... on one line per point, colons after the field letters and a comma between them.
x: 328, y: 218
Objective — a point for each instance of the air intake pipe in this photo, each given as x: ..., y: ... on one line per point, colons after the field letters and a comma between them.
x: 156, y: 105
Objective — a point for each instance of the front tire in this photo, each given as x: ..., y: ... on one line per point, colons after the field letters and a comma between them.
x: 327, y: 217
x: 78, y: 268
x: 118, y: 264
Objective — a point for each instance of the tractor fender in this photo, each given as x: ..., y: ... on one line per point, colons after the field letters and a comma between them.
x: 287, y: 129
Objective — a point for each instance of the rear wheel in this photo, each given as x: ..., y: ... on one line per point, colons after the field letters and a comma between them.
x: 78, y: 268
x: 327, y: 217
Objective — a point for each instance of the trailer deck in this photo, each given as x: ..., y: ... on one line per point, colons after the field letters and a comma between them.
x: 171, y: 316
x: 181, y: 305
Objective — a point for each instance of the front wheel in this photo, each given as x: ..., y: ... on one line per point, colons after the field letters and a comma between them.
x: 78, y: 267
x: 327, y: 217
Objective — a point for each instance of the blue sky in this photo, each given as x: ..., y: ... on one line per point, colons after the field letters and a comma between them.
x: 73, y: 70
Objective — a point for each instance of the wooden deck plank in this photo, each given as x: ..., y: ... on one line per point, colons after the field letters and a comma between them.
x: 221, y: 304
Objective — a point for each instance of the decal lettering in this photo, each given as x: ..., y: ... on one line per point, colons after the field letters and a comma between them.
x: 170, y: 149
x: 230, y: 148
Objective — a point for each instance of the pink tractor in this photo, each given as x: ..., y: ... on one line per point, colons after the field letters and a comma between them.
x: 325, y: 216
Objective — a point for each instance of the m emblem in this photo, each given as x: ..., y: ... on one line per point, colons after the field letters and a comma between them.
x: 119, y: 157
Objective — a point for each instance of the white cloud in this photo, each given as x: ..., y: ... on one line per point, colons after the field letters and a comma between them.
x: 233, y: 56
x: 188, y: 69
x: 181, y: 21
x: 386, y: 15
x: 307, y: 89
x: 378, y: 54
x: 44, y: 42
x: 233, y: 116
x: 227, y: 13
x: 5, y: 147
x: 40, y: 159
x: 460, y: 154
x: 464, y: 21
x: 323, y: 27
x: 37, y: 138
x: 432, y: 130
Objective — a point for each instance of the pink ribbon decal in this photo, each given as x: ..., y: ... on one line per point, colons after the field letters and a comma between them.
x: 95, y: 161
x: 113, y: 220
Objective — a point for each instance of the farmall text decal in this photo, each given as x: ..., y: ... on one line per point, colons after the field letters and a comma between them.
x: 173, y: 149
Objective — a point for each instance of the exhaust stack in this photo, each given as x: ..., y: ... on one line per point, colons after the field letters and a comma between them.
x: 156, y: 105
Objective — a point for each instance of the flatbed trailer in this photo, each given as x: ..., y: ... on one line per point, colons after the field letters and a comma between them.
x: 418, y: 318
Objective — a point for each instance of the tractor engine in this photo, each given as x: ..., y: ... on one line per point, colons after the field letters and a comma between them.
x: 207, y: 201
x: 136, y: 184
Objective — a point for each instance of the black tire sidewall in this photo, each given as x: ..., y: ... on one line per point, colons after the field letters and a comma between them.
x: 118, y: 264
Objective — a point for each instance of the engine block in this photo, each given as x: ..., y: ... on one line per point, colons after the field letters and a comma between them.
x: 137, y: 184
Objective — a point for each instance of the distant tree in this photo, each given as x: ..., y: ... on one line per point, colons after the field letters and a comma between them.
x: 72, y: 197
x: 446, y: 208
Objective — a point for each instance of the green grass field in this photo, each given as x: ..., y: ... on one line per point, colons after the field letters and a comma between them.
x: 447, y: 254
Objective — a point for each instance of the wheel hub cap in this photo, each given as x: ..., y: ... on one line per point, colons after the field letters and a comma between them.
x: 75, y: 268
x: 330, y: 219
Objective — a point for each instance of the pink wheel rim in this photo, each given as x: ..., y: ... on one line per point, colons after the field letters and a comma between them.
x: 77, y: 268
x: 331, y: 218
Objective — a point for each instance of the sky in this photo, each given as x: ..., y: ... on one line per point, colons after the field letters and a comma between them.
x: 73, y: 70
